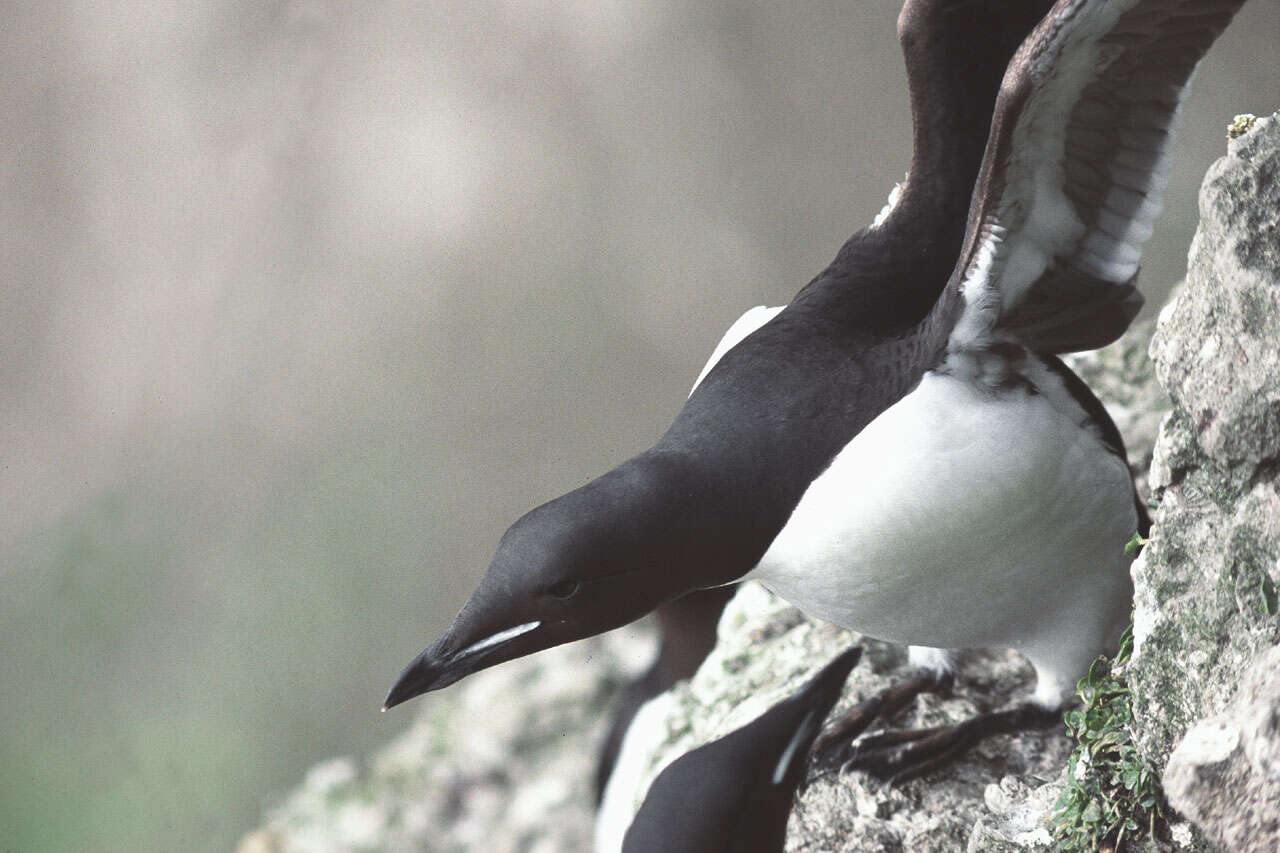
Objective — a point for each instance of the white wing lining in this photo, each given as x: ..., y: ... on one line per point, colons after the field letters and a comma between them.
x: 1075, y: 168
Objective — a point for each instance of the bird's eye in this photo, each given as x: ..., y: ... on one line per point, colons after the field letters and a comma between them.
x: 564, y: 589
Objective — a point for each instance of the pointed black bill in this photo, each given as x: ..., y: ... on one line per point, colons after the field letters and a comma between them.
x: 438, y: 667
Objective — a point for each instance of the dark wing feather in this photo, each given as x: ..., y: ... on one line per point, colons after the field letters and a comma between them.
x: 1074, y: 170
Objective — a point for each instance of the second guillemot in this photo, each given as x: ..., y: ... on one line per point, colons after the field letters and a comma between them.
x: 736, y: 792
x: 905, y: 464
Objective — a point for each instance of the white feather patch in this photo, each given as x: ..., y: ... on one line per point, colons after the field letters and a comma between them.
x: 979, y: 306
x: 802, y: 731
x: 894, y: 195
x: 937, y: 661
x: 753, y: 319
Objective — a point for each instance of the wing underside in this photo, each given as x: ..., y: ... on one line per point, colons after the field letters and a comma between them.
x: 1075, y: 168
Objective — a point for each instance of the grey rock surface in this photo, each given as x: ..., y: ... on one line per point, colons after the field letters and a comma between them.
x: 1205, y: 585
x: 1225, y: 773
x: 1018, y: 816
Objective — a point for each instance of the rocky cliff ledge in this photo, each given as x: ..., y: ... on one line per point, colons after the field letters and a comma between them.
x: 479, y: 771
x: 1206, y: 610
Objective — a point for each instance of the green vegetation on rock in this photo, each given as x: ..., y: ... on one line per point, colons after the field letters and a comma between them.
x: 1112, y: 794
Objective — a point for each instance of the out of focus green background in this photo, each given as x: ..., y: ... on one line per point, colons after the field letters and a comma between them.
x: 303, y: 302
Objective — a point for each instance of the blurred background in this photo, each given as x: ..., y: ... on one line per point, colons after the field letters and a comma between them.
x: 304, y: 302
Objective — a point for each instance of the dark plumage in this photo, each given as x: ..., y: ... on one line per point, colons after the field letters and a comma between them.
x: 736, y: 793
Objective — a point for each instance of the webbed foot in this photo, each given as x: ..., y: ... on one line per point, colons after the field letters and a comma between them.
x: 898, y: 755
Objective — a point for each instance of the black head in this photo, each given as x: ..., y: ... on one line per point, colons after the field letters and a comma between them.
x: 736, y: 793
x: 584, y: 563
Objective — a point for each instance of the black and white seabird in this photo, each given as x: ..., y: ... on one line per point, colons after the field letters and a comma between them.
x: 965, y: 47
x: 955, y: 55
x: 910, y: 465
x: 736, y: 793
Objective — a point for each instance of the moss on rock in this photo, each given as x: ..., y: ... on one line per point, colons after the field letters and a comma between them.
x: 1201, y: 610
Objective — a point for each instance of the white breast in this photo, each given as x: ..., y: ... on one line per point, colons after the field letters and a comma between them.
x: 965, y: 517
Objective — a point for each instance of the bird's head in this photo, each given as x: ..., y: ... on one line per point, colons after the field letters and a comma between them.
x: 582, y: 564
x: 735, y: 793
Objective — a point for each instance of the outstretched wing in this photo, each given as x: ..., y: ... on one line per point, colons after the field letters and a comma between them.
x: 1074, y: 170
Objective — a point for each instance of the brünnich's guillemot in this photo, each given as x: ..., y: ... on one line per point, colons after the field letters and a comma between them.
x: 955, y: 56
x: 736, y: 793
x: 906, y: 464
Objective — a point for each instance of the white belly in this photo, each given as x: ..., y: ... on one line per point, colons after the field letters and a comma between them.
x: 961, y: 517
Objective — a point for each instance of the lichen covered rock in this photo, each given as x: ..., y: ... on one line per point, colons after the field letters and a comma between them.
x: 1018, y: 817
x: 1225, y: 774
x: 1205, y: 584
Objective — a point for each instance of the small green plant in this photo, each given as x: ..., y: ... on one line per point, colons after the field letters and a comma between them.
x: 1240, y: 125
x: 1135, y: 543
x: 1112, y: 794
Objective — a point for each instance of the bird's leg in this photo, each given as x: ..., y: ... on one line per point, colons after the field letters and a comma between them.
x: 831, y: 749
x: 896, y: 756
